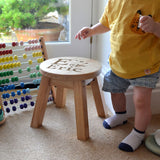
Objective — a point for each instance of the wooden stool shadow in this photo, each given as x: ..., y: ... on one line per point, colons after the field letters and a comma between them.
x: 74, y: 73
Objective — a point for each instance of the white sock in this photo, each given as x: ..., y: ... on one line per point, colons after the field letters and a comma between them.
x: 118, y: 119
x: 132, y: 141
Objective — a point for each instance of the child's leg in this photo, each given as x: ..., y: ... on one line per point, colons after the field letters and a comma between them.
x: 142, y: 102
x: 119, y: 105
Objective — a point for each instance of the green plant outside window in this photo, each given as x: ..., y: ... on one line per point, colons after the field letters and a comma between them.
x: 20, y: 16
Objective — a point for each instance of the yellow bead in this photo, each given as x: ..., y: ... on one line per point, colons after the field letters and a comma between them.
x: 30, y: 62
x: 11, y: 58
x: 8, y: 66
x: 42, y: 59
x: 18, y: 64
x: 1, y: 67
x: 24, y: 56
x: 7, y: 59
x: 14, y: 64
x: 38, y: 60
x: 5, y: 66
x: 15, y: 57
x: 11, y: 65
x: 3, y: 59
x: 34, y: 54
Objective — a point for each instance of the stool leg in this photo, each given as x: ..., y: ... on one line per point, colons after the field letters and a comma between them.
x: 41, y: 102
x: 81, y: 110
x: 60, y: 97
x: 97, y: 98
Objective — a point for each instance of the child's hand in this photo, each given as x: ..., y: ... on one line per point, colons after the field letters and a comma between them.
x: 84, y: 33
x: 147, y: 24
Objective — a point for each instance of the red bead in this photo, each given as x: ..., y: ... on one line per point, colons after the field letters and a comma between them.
x: 4, y: 45
x: 10, y: 51
x: 13, y: 44
x: 7, y: 51
x: 3, y: 52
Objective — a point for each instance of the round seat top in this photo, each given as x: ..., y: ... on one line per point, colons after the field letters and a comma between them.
x: 70, y: 68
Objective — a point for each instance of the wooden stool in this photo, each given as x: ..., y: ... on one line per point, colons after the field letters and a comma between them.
x: 69, y: 72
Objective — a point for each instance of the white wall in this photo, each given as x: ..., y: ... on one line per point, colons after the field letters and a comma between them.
x: 100, y: 51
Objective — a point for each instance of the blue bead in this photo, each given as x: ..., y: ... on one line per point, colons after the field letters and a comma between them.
x: 13, y: 94
x: 4, y: 96
x: 1, y: 89
x: 22, y: 99
x: 27, y: 98
x: 14, y: 108
x: 10, y: 87
x: 21, y: 106
x: 28, y: 90
x: 5, y: 88
x: 24, y: 91
x: 11, y: 101
x: 5, y: 103
x: 30, y: 97
x: 25, y: 105
x: 32, y: 103
x: 22, y: 84
x: 34, y: 82
x: 18, y: 92
x: 13, y: 86
x: 7, y: 95
x: 7, y: 110
x: 15, y: 100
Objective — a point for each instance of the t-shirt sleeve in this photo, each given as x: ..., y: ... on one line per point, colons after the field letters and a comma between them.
x: 104, y: 18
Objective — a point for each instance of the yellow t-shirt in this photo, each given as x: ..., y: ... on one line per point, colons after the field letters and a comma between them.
x: 133, y: 53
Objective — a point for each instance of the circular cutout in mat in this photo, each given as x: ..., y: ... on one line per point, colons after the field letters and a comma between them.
x: 151, y: 144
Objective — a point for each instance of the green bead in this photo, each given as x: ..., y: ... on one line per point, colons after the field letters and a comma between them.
x: 34, y: 75
x: 12, y: 79
x: 7, y: 80
x: 7, y: 73
x: 0, y: 82
x: 11, y: 72
x: 28, y: 69
x: 20, y: 70
x: 1, y: 74
x: 4, y: 74
x: 38, y: 74
x: 31, y: 75
x: 3, y: 81
x: 37, y: 67
x: 16, y: 79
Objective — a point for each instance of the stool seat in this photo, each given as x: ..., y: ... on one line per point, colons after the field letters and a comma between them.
x: 74, y: 73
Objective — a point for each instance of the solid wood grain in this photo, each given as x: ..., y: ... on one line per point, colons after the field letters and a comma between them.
x: 74, y: 73
x: 81, y: 110
x: 70, y: 68
x: 97, y: 98
x: 43, y: 48
x: 41, y: 102
x: 61, y: 97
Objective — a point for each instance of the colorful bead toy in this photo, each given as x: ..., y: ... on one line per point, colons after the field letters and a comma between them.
x: 20, y: 75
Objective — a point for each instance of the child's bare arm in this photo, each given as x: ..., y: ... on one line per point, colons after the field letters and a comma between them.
x: 90, y: 31
x: 147, y: 24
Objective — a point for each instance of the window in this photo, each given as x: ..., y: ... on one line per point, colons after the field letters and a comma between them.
x: 22, y: 20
